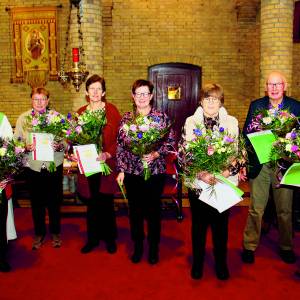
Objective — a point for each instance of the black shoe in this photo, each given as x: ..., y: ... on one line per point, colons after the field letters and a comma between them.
x: 137, y: 253
x: 222, y: 272
x: 153, y: 257
x: 4, y: 266
x: 196, y: 272
x: 248, y: 256
x: 111, y: 247
x: 38, y: 242
x: 88, y: 247
x: 288, y: 256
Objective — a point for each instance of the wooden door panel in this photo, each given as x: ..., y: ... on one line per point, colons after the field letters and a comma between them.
x: 185, y: 76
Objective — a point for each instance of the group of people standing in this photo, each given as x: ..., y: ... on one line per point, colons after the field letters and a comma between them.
x: 144, y: 195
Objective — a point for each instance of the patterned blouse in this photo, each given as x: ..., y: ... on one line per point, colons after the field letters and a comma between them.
x: 130, y: 163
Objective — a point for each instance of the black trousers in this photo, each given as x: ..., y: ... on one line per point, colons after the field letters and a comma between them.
x: 144, y: 204
x: 46, y: 193
x: 3, y: 218
x: 101, y: 218
x: 204, y: 216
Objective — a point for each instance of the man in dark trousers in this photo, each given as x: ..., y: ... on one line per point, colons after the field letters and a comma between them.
x: 262, y: 176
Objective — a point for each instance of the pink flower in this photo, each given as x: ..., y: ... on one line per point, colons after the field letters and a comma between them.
x: 294, y: 148
x: 19, y: 150
x: 288, y: 135
x: 78, y: 129
x: 133, y: 127
x: 144, y: 128
x: 298, y: 153
x: 210, y: 150
x: 35, y: 122
x: 68, y: 132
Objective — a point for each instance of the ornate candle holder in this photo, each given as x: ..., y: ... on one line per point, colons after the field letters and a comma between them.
x: 78, y: 73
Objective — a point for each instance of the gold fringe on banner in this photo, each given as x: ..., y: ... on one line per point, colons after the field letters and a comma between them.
x: 36, y: 78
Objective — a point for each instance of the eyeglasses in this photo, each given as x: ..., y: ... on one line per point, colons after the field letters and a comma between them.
x: 140, y: 95
x: 39, y: 99
x: 274, y: 85
x: 211, y: 99
x: 95, y: 90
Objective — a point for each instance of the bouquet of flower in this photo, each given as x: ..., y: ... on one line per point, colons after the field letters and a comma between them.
x: 144, y: 134
x: 49, y: 121
x: 12, y: 153
x: 287, y: 147
x: 275, y: 119
x: 211, y: 150
x: 86, y: 129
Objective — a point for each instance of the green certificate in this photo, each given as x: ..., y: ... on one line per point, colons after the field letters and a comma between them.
x: 292, y: 175
x: 262, y: 143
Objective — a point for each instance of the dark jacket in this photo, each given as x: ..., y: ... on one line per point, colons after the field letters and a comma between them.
x: 290, y: 104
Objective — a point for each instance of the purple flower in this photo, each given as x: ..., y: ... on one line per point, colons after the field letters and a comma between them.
x: 221, y: 129
x: 197, y: 132
x: 259, y: 116
x: 69, y: 116
x: 280, y: 106
x: 294, y: 148
x: 293, y: 135
x: 156, y: 119
x: 63, y: 121
x: 140, y: 135
x: 228, y: 139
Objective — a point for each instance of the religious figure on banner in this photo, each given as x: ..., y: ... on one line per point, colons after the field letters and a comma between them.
x: 36, y: 44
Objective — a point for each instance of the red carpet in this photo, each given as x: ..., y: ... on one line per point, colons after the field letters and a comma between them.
x: 66, y: 274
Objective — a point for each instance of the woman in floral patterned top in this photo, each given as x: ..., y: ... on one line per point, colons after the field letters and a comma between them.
x: 144, y: 194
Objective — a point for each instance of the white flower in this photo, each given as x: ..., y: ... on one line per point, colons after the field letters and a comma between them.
x: 267, y: 120
x: 3, y: 151
x: 288, y: 147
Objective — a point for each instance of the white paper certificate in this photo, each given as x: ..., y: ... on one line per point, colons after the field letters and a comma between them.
x: 43, y: 146
x: 221, y: 197
x: 87, y: 159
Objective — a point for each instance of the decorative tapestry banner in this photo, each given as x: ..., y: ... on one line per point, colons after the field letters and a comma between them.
x: 35, y: 44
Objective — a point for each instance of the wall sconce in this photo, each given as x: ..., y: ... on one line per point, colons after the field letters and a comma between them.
x: 78, y: 73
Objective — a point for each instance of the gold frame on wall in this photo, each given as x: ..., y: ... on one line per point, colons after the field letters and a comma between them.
x: 35, y: 44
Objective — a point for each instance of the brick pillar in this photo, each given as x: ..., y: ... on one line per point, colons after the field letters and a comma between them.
x: 91, y: 27
x: 276, y: 39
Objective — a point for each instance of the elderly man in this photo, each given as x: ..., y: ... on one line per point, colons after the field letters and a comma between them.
x: 262, y: 176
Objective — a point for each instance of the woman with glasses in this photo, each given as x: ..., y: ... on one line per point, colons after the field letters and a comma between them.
x: 143, y: 194
x: 45, y: 184
x: 211, y: 115
x: 101, y: 220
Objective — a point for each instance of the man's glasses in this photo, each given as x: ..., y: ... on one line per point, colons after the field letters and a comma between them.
x: 140, y: 95
x: 40, y: 99
x: 274, y: 85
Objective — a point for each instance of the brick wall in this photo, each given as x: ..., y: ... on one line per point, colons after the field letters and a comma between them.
x: 210, y: 34
x: 222, y: 37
